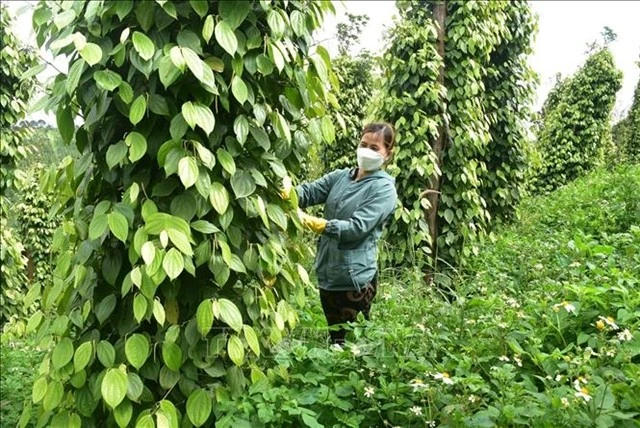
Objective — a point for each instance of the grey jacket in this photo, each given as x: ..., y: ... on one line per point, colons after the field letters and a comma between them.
x: 356, y: 211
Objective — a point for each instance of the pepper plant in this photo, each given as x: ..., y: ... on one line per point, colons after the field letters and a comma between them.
x: 174, y: 273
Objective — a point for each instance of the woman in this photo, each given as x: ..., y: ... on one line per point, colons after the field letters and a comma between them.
x: 358, y: 202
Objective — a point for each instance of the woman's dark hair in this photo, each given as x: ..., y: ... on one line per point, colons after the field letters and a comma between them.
x: 386, y: 130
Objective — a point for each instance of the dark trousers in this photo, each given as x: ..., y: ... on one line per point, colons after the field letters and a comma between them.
x: 343, y: 306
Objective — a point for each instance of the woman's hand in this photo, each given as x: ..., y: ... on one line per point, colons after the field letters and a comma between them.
x: 315, y: 224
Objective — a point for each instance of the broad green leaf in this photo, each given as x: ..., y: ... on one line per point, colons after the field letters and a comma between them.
x: 188, y: 171
x: 82, y: 356
x: 265, y: 65
x: 143, y: 45
x: 226, y: 37
x: 207, y: 28
x: 168, y: 72
x: 158, y: 312
x: 278, y: 216
x: 199, y: 406
x: 62, y: 353
x: 205, y: 155
x: 105, y: 308
x: 178, y: 58
x: 173, y: 263
x: 194, y: 63
x: 137, y: 350
x: 181, y: 241
x: 204, y: 317
x: 243, y: 184
x: 53, y: 396
x: 98, y: 226
x: 137, y: 146
x: 204, y: 226
x: 239, y: 89
x: 448, y: 215
x: 122, y: 414
x: 91, y: 53
x: 219, y: 197
x: 114, y: 387
x: 138, y: 109
x: 235, y: 350
x: 252, y: 339
x: 106, y: 353
x: 198, y: 114
x: 172, y: 356
x: 200, y: 6
x: 140, y: 305
x: 107, y: 79
x: 64, y: 120
x: 148, y: 252
x: 63, y: 19
x: 241, y: 128
x: 145, y: 421
x: 226, y: 160
x: 276, y: 23
x: 39, y: 390
x: 230, y: 314
x: 73, y: 78
x: 116, y: 153
x: 118, y: 225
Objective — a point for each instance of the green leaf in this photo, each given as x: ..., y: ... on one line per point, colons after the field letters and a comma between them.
x: 219, y: 197
x: 276, y: 23
x: 62, y: 353
x: 207, y: 28
x: 173, y: 263
x: 278, y: 216
x: 91, y: 53
x: 448, y: 215
x: 116, y: 154
x: 198, y: 114
x: 63, y: 19
x: 168, y: 72
x: 137, y: 350
x: 199, y: 406
x: 137, y: 146
x: 158, y: 312
x: 143, y: 45
x: 114, y: 387
x: 234, y: 13
x: 145, y: 421
x: 252, y: 339
x: 226, y: 160
x: 98, y: 226
x: 140, y: 305
x: 172, y: 356
x: 105, y: 308
x: 73, y: 78
x: 148, y: 252
x: 265, y: 65
x: 138, y: 109
x: 204, y: 317
x: 261, y: 137
x: 178, y: 58
x: 241, y: 128
x: 181, y: 241
x: 205, y: 155
x: 239, y: 89
x: 226, y: 37
x: 82, y: 356
x: 107, y: 79
x: 243, y: 184
x: 39, y: 390
x: 106, y: 353
x: 200, y: 7
x: 204, y: 226
x: 64, y: 120
x: 122, y: 414
x: 53, y: 396
x: 230, y: 314
x: 118, y: 225
x: 235, y: 350
x: 188, y: 171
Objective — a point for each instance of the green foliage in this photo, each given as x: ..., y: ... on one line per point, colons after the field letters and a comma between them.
x: 15, y: 91
x: 174, y: 273
x: 354, y: 73
x: 627, y: 131
x: 575, y: 136
x: 487, y: 87
x: 19, y: 362
x: 525, y: 328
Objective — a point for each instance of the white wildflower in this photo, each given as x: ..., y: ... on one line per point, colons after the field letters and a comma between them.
x: 583, y: 393
x: 386, y: 296
x: 565, y: 402
x: 559, y: 378
x: 336, y: 347
x: 504, y: 358
x: 421, y: 327
x: 625, y: 335
x: 355, y: 351
x: 418, y: 384
x: 538, y: 266
x: 430, y: 423
x: 369, y: 391
x: 444, y: 377
x: 517, y: 360
x: 611, y: 322
x: 416, y: 410
x: 473, y: 398
x: 611, y: 353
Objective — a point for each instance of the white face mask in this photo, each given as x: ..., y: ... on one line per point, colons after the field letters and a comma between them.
x: 369, y: 160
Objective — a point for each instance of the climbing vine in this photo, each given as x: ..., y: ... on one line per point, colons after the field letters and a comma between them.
x: 174, y: 274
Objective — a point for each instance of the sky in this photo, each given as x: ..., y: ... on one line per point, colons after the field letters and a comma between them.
x: 564, y: 30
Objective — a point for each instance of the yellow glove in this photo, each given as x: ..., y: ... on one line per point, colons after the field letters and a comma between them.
x: 285, y: 192
x: 315, y: 224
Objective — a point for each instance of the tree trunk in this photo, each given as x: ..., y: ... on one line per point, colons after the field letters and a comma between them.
x: 438, y: 145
